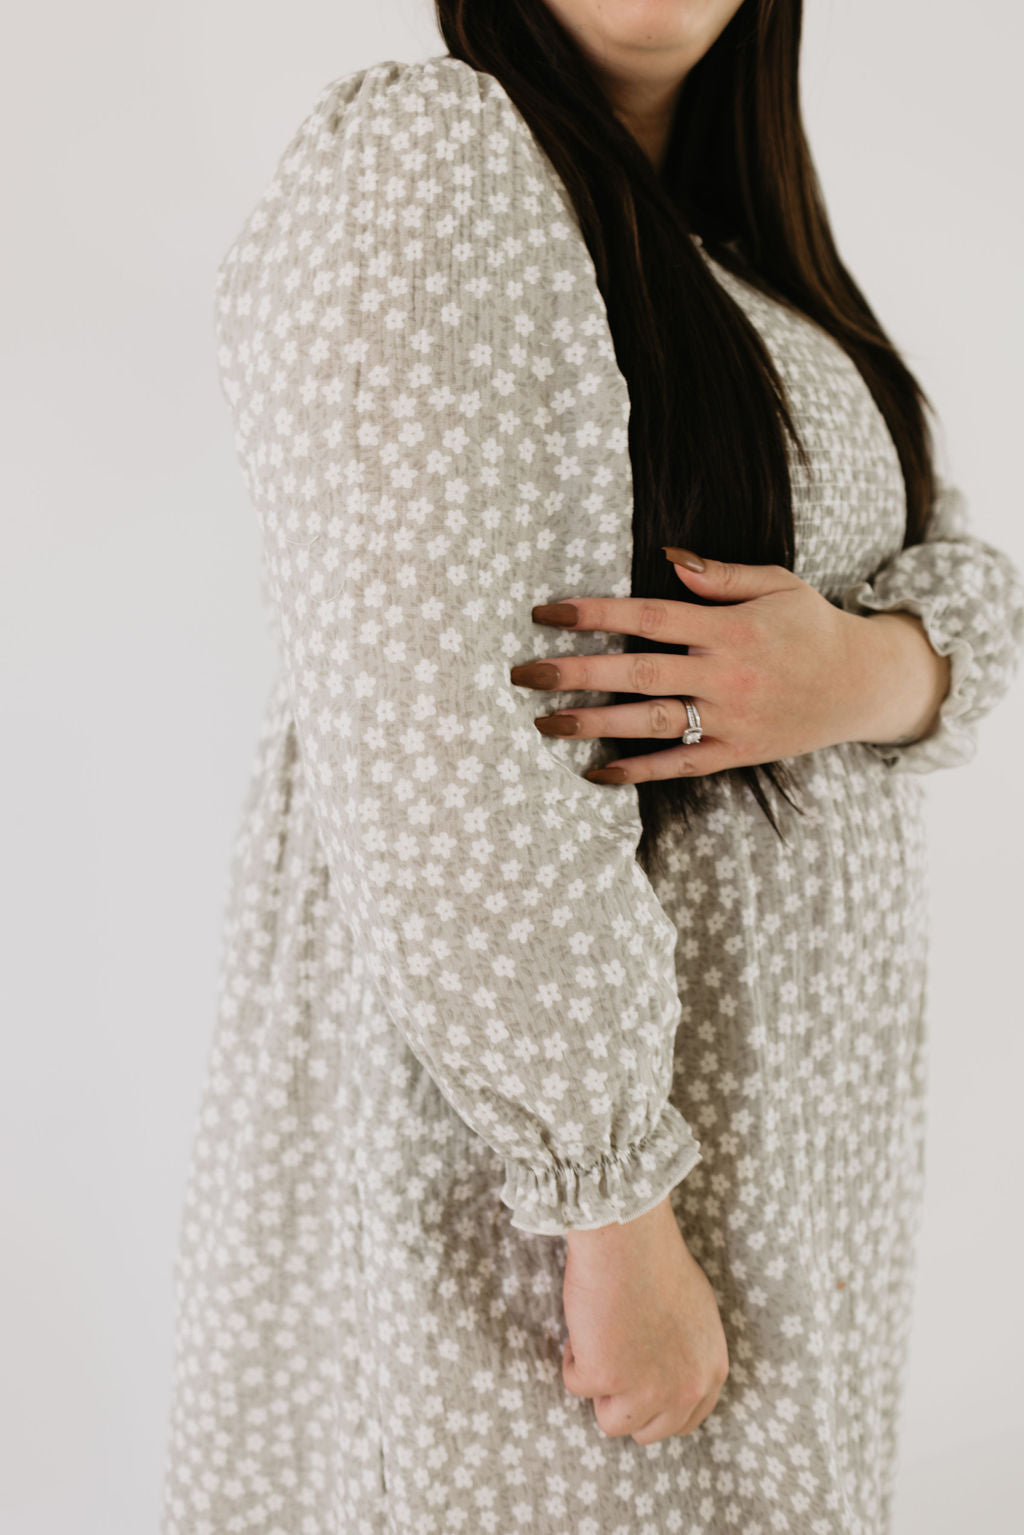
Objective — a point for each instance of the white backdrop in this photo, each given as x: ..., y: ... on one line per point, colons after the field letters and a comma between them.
x: 136, y: 663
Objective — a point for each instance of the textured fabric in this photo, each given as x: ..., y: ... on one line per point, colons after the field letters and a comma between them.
x: 455, y: 1018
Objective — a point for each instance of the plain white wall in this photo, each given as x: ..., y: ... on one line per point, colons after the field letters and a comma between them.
x: 136, y: 663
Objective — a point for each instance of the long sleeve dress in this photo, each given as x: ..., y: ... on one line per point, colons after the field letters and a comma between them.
x: 455, y: 1018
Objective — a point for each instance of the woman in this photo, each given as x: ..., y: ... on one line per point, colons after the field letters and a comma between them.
x: 560, y: 1159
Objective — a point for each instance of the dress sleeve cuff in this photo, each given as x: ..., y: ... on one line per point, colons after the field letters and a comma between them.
x: 953, y: 738
x: 617, y: 1186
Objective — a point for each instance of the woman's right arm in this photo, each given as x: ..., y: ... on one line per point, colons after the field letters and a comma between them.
x: 432, y: 427
x: 646, y: 1340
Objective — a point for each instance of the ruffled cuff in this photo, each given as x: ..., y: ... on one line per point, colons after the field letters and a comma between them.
x: 953, y: 738
x: 617, y: 1186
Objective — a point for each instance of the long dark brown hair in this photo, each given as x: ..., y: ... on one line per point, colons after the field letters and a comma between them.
x: 708, y: 412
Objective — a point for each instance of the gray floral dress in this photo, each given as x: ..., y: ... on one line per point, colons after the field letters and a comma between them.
x: 455, y: 1018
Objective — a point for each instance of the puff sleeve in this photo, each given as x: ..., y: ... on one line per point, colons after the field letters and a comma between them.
x: 433, y: 431
x: 970, y: 599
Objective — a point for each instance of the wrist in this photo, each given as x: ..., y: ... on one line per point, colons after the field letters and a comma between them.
x: 607, y: 1240
x: 900, y: 681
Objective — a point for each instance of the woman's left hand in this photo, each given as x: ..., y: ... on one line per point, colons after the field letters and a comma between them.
x: 776, y: 671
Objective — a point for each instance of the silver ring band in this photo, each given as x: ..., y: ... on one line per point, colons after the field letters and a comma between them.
x: 693, y: 732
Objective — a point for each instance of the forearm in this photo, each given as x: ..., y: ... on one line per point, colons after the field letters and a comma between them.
x: 899, y: 681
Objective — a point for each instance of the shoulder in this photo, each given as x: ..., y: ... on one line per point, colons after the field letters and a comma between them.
x: 427, y: 97
x: 441, y: 86
x: 432, y: 137
x: 439, y: 132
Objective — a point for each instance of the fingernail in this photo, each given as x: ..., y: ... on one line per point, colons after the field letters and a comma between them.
x: 558, y: 725
x: 562, y: 613
x: 536, y: 674
x: 683, y: 557
x: 606, y: 775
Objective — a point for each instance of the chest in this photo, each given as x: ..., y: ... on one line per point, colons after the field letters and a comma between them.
x: 849, y: 507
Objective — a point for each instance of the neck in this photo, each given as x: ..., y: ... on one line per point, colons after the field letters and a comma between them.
x: 647, y: 109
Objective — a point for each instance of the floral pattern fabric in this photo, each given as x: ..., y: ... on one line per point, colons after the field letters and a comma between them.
x: 455, y: 1018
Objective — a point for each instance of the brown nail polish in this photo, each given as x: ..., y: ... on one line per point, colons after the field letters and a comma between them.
x: 606, y: 775
x: 558, y: 725
x: 535, y: 674
x: 683, y: 557
x: 564, y: 614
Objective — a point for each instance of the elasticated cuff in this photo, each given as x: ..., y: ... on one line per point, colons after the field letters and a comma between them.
x: 953, y: 739
x: 617, y: 1186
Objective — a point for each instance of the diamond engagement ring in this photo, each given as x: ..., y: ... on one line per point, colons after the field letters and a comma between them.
x: 693, y: 732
